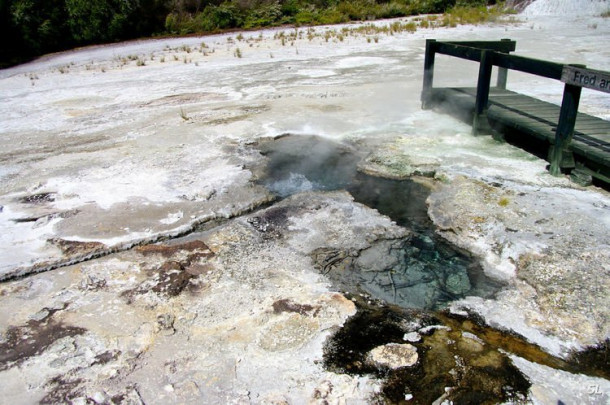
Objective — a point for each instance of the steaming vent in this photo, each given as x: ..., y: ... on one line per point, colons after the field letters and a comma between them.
x: 567, y: 7
x: 423, y: 272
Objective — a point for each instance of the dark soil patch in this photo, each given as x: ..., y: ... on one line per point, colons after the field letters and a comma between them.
x: 173, y: 279
x: 170, y: 250
x: 40, y: 198
x: 106, y: 357
x: 286, y: 305
x: 594, y: 360
x: 186, y: 262
x: 271, y: 222
x: 33, y: 338
x: 474, y: 371
x: 61, y: 390
x: 71, y: 248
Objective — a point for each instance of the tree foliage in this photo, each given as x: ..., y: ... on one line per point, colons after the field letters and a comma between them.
x: 34, y: 27
x: 38, y: 26
x: 191, y: 16
x: 106, y: 20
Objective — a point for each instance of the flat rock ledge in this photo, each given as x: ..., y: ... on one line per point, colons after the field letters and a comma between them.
x: 194, y: 320
x: 549, y: 244
x: 390, y: 163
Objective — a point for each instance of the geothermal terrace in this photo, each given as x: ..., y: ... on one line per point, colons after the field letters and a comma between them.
x: 185, y: 223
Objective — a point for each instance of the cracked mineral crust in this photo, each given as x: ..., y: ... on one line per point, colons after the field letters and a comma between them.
x: 193, y: 319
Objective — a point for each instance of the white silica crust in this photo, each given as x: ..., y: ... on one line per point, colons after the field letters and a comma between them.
x: 567, y: 7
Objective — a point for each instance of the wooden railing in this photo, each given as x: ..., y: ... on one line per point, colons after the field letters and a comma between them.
x: 497, y: 53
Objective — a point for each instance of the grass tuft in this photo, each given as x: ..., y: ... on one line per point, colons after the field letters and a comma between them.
x: 461, y: 15
x: 503, y: 202
x: 183, y: 115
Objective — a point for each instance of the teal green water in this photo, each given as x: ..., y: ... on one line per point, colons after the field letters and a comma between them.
x: 428, y: 272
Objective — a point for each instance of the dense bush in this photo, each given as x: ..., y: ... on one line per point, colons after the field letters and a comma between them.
x: 40, y: 26
x: 91, y: 21
x: 33, y: 27
x: 213, y: 16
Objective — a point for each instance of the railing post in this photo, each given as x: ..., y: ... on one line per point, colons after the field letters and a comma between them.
x: 502, y: 72
x: 426, y: 93
x: 560, y: 155
x: 480, y: 123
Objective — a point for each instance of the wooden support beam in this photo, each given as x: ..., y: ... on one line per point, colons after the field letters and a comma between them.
x: 502, y: 78
x: 428, y: 74
x: 502, y: 71
x: 480, y: 124
x: 561, y: 156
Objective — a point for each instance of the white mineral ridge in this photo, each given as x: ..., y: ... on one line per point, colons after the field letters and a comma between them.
x: 550, y: 386
x: 567, y: 7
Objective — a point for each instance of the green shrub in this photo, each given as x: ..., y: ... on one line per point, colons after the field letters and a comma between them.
x: 305, y: 17
x: 392, y: 10
x: 357, y: 10
x: 410, y: 26
x: 37, y: 27
x: 264, y: 16
x: 332, y: 16
x: 431, y: 6
x: 290, y: 8
x: 171, y: 23
x: 471, y: 15
x: 226, y: 15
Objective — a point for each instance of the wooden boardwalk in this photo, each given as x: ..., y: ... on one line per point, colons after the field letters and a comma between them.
x: 576, y: 142
x: 512, y: 115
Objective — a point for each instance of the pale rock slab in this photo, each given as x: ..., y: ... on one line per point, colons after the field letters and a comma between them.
x: 393, y: 356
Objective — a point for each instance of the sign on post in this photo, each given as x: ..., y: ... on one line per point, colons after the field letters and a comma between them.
x: 589, y: 78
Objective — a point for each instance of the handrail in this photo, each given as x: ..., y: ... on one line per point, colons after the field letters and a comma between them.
x: 471, y: 50
x: 538, y: 67
x: 459, y: 51
x: 504, y: 45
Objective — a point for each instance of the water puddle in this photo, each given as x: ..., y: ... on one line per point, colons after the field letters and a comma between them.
x: 460, y: 359
x: 429, y: 272
x: 426, y: 273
